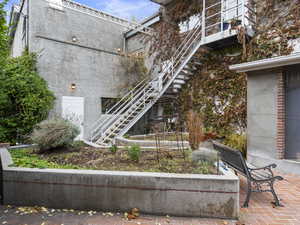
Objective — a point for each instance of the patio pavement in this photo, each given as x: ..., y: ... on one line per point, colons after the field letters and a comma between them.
x: 260, y: 212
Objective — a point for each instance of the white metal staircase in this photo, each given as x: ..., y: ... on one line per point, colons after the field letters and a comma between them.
x: 139, y: 100
x: 175, y: 72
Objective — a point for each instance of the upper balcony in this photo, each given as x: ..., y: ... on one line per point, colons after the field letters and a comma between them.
x: 220, y: 20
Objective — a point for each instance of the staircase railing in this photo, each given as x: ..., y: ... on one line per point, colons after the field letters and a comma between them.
x: 167, y: 77
x: 118, y: 108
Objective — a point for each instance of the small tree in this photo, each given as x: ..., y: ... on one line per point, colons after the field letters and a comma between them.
x: 25, y: 99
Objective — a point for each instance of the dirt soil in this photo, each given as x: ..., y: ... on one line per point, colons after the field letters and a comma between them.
x: 149, y: 160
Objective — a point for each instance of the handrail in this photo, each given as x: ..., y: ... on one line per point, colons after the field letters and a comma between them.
x: 123, y: 106
x: 131, y: 103
x: 119, y: 111
x: 145, y: 99
x: 121, y: 100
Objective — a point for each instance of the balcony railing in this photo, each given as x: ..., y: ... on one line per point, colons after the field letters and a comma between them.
x: 221, y: 18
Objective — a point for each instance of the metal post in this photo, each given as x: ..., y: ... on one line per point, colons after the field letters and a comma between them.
x: 243, y: 13
x: 203, y: 20
x: 222, y: 15
x: 237, y: 9
x: 172, y: 66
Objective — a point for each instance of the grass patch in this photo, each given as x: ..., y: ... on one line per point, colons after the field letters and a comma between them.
x: 28, y: 159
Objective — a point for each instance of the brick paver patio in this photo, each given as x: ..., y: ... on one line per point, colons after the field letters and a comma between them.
x: 260, y: 212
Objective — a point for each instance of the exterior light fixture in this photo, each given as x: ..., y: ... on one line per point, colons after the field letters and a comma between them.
x: 73, y: 87
x: 74, y: 39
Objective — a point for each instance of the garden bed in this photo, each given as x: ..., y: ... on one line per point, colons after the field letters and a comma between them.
x: 213, y: 196
x: 104, y: 159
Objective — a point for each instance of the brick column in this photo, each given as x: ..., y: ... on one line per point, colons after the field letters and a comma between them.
x: 280, y: 141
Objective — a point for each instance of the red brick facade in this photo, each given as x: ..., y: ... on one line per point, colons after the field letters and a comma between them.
x: 280, y: 116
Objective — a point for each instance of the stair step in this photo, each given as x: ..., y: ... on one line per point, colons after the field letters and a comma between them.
x: 196, y: 62
x: 176, y: 81
x: 177, y: 86
x: 190, y: 67
x: 182, y: 77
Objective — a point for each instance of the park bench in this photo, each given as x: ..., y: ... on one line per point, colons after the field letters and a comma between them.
x: 258, y: 179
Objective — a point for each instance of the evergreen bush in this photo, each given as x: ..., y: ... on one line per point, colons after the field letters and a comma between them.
x: 25, y: 99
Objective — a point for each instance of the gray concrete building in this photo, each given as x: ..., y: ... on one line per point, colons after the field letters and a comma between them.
x: 273, y: 111
x: 79, y: 52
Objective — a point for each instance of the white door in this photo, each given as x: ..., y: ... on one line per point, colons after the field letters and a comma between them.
x: 73, y: 110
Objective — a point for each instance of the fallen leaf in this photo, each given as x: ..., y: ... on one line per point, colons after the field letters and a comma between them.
x: 131, y: 217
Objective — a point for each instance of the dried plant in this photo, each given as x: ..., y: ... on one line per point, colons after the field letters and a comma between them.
x: 54, y: 133
x: 194, y: 126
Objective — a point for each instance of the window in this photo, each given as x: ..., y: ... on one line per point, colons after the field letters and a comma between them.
x: 107, y: 104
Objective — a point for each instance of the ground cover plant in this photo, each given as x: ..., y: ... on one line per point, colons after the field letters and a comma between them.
x: 103, y: 159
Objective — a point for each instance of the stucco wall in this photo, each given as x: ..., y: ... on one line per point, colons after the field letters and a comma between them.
x: 262, y: 113
x: 92, y: 62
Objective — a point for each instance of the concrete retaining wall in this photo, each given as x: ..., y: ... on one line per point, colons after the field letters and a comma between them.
x: 154, y: 193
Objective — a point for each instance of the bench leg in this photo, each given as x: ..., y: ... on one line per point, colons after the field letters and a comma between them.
x: 246, y: 203
x: 277, y: 203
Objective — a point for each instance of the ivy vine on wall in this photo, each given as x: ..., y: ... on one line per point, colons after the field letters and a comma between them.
x: 215, y: 92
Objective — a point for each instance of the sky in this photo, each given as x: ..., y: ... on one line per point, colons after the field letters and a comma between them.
x: 126, y: 9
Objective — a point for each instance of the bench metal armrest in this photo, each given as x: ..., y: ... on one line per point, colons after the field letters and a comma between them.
x: 268, y: 168
x: 265, y: 167
x: 272, y: 179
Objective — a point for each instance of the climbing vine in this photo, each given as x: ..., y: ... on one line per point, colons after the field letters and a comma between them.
x: 216, y: 92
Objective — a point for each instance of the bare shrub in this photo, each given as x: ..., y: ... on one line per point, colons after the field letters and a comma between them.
x: 194, y: 126
x: 54, y: 133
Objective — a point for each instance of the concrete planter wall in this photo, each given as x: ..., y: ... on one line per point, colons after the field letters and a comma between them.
x: 154, y: 193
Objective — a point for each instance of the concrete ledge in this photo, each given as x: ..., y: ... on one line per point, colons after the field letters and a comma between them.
x: 212, y: 196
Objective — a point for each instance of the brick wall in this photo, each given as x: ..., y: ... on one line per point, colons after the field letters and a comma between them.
x: 280, y: 116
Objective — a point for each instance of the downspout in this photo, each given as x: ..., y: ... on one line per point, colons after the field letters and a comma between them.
x: 124, y: 43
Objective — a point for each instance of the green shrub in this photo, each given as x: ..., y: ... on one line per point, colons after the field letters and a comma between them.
x: 238, y: 142
x: 113, y: 149
x: 134, y: 152
x: 28, y: 159
x: 25, y: 99
x: 54, y: 133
